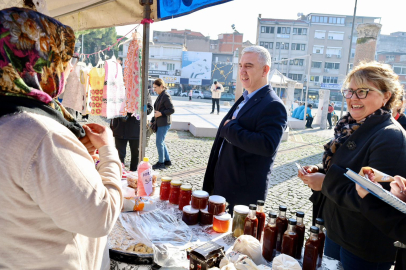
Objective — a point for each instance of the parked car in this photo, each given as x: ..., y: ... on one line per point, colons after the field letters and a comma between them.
x: 170, y: 92
x: 337, y: 105
x: 207, y: 94
x: 184, y: 94
x: 227, y: 97
x: 174, y: 91
x: 196, y: 94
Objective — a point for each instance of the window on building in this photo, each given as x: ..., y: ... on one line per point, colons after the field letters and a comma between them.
x: 298, y: 47
x: 300, y: 31
x: 319, y: 34
x: 352, y: 53
x: 278, y: 45
x: 267, y: 29
x: 285, y: 46
x: 316, y: 64
x: 330, y: 51
x: 318, y: 49
x: 390, y: 58
x: 328, y: 79
x: 330, y: 65
x: 296, y: 62
x: 170, y: 66
x: 296, y: 77
x: 268, y: 45
x: 336, y: 35
x: 284, y: 61
x: 314, y: 78
x: 400, y: 70
x: 283, y: 30
x: 326, y: 19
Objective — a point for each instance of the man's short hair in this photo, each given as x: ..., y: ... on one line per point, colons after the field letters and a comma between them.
x: 264, y: 56
x: 309, y: 105
x: 215, y: 82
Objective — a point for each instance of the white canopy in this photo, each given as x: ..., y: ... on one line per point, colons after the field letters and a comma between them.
x: 277, y: 79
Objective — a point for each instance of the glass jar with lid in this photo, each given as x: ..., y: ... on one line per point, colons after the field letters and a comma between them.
x: 205, y: 217
x: 199, y: 199
x: 221, y: 223
x: 240, y: 212
x: 216, y: 204
x: 190, y: 215
x: 165, y: 188
x: 185, y: 195
x: 175, y: 192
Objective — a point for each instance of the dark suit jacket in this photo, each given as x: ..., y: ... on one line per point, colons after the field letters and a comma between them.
x: 242, y: 172
x: 164, y: 104
x: 381, y: 144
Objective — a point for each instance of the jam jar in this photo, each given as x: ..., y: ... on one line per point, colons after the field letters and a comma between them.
x: 185, y: 195
x: 205, y: 217
x: 175, y: 192
x: 165, y: 188
x: 240, y: 212
x: 199, y: 199
x: 221, y: 223
x: 190, y: 215
x: 217, y: 205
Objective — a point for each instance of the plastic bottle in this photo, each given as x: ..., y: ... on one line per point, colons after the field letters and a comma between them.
x: 144, y: 186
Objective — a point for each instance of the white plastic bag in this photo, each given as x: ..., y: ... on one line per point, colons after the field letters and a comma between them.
x: 237, y: 261
x: 285, y: 262
x: 250, y: 246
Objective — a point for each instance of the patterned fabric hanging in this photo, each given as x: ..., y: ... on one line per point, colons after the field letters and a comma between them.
x: 96, y: 79
x: 132, y: 79
x: 114, y: 91
x: 85, y: 84
x: 73, y: 95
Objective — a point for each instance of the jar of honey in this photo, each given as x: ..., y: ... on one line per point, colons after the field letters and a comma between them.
x: 199, y: 199
x: 190, y: 215
x: 205, y: 217
x: 217, y: 204
x: 185, y: 195
x: 240, y: 212
x: 221, y: 223
x: 165, y: 188
x: 175, y: 192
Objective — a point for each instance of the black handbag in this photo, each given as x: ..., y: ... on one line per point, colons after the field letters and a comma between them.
x: 152, y: 125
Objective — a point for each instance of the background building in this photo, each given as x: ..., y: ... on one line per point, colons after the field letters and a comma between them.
x: 192, y: 41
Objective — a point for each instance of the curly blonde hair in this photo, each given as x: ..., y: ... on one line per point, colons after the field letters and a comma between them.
x: 380, y: 76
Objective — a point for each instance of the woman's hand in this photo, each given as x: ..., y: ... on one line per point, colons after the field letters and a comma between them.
x: 96, y: 137
x: 398, y: 187
x: 361, y: 191
x: 313, y: 180
x: 157, y: 114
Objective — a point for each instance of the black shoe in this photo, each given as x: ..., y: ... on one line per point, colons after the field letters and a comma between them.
x: 330, y: 127
x: 211, y: 112
x: 158, y: 166
x: 168, y: 163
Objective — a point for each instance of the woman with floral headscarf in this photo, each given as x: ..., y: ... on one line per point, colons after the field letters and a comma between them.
x: 56, y: 206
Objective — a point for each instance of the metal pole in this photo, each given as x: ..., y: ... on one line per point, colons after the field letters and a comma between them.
x: 307, y: 87
x: 349, y: 54
x: 144, y: 96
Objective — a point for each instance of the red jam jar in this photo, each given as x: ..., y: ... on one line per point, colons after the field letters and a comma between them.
x: 165, y: 188
x: 205, y: 217
x: 175, y: 192
x: 185, y: 195
x: 217, y: 205
x: 199, y: 199
x: 190, y: 215
x: 221, y: 223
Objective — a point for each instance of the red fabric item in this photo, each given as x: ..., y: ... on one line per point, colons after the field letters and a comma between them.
x: 330, y: 108
x: 397, y: 116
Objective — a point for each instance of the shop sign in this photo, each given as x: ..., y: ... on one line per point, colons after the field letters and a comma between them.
x: 335, y: 86
x: 195, y: 81
x: 158, y: 72
x: 170, y: 79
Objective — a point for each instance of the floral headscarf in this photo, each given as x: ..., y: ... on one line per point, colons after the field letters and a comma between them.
x: 34, y: 52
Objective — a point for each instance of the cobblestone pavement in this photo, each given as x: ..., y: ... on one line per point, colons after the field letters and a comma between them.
x: 189, y: 156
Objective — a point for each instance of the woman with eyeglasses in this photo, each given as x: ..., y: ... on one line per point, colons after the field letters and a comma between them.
x: 367, y: 135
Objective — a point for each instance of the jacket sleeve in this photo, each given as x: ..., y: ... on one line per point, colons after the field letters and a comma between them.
x: 265, y: 139
x: 385, y: 153
x: 167, y: 106
x: 62, y: 179
x: 387, y: 219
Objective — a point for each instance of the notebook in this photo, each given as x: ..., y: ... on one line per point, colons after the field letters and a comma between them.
x: 376, y: 190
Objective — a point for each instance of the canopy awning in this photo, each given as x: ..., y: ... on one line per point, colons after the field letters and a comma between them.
x: 277, y: 79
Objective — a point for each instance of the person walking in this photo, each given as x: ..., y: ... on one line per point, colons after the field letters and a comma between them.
x: 190, y: 95
x: 163, y: 116
x: 126, y: 130
x: 216, y: 90
x: 57, y: 205
x: 329, y: 114
x: 309, y: 117
x: 243, y: 152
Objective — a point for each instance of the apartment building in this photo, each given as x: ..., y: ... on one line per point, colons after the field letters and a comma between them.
x: 192, y: 41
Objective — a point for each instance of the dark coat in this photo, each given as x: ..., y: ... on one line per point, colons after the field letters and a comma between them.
x: 242, y: 172
x: 381, y: 144
x: 128, y: 128
x: 164, y: 104
x: 402, y: 122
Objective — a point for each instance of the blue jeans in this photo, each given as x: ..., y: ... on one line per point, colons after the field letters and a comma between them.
x: 160, y: 144
x: 351, y: 261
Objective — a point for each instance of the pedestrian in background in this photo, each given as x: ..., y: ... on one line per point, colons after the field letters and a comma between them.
x: 163, y: 116
x: 216, y: 90
x: 190, y: 95
x: 126, y: 130
x: 309, y: 117
x: 329, y: 114
x: 243, y: 152
x: 398, y: 112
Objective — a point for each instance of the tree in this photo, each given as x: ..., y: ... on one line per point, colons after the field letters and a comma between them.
x: 96, y: 40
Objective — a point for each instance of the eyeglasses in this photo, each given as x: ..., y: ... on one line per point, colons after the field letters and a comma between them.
x: 361, y: 93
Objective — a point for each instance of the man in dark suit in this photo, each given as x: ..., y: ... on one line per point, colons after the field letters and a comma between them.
x: 248, y: 138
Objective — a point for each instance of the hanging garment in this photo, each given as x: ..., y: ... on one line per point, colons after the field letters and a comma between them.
x: 96, y: 80
x: 114, y: 91
x: 73, y: 95
x: 132, y: 79
x: 84, y: 81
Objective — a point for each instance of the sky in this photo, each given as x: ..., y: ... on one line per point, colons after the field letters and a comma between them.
x: 218, y: 19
